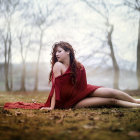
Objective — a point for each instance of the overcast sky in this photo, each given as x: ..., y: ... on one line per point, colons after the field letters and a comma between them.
x: 83, y: 28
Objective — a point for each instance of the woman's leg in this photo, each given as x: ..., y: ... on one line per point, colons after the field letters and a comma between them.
x: 98, y: 101
x: 113, y: 93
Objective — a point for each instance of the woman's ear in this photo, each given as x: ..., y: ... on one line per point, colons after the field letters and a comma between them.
x: 68, y: 52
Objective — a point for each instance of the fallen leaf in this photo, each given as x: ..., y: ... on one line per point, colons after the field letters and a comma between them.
x: 115, y: 129
x: 76, y: 114
x: 120, y: 114
x: 95, y: 127
x: 8, y: 114
x: 45, y: 111
x: 61, y: 120
x: 86, y: 126
x: 105, y: 112
x: 30, y: 115
x: 17, y: 113
x: 134, y: 133
x: 96, y: 118
x: 21, y: 121
x: 113, y: 111
x: 33, y: 100
x: 90, y: 118
x: 73, y: 128
x: 56, y: 117
x: 6, y: 111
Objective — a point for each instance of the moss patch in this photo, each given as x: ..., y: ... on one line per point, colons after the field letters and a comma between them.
x: 102, y: 123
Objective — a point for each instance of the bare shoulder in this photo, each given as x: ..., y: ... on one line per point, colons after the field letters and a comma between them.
x: 57, y: 65
x: 57, y: 68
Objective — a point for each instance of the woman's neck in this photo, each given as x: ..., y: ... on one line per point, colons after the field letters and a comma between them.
x: 67, y: 62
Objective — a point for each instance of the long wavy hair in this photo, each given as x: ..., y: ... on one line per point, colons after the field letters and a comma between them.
x: 74, y: 64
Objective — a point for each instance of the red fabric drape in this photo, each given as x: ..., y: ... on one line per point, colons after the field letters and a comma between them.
x: 66, y: 94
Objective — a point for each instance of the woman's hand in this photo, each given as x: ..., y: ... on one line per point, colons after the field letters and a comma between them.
x: 46, y: 108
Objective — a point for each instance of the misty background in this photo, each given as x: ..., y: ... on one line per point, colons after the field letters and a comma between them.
x: 104, y: 33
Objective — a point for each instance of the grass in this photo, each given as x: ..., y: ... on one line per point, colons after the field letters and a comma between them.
x: 102, y: 123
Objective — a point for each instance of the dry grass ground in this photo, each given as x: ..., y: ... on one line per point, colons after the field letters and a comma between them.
x: 73, y: 124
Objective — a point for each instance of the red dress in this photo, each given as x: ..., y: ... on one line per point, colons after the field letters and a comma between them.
x: 66, y: 95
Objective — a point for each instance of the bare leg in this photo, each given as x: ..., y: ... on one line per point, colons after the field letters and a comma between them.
x: 97, y: 101
x: 113, y: 93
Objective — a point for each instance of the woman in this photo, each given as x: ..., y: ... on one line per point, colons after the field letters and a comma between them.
x: 63, y: 59
x: 70, y: 88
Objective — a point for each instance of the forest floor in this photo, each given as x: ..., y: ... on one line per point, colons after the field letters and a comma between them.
x: 104, y: 123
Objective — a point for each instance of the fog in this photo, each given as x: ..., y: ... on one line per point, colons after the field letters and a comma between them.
x: 30, y: 28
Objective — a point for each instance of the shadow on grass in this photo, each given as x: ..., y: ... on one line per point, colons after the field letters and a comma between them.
x: 104, y: 123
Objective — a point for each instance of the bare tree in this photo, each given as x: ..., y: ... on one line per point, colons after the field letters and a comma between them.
x: 23, y: 56
x: 110, y: 28
x: 7, y: 9
x: 138, y: 57
x: 134, y: 8
x: 42, y: 22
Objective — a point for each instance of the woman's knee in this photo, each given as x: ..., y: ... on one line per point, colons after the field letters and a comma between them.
x: 79, y: 105
x: 113, y: 101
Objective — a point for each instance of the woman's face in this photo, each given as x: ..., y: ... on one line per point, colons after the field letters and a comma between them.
x: 61, y: 54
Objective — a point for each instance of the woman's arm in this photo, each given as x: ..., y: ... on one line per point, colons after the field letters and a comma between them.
x: 52, y: 104
x: 53, y: 101
x: 57, y: 71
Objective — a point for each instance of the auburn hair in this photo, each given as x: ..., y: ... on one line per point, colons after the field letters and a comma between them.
x: 74, y: 64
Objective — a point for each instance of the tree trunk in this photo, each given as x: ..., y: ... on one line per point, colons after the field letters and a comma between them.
x: 10, y: 62
x: 37, y: 65
x: 10, y: 71
x: 138, y: 57
x: 23, y: 68
x: 23, y: 77
x: 6, y: 67
x: 115, y: 65
x: 11, y: 76
x: 36, y: 77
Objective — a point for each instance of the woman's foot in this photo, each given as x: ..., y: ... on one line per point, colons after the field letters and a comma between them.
x: 137, y: 101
